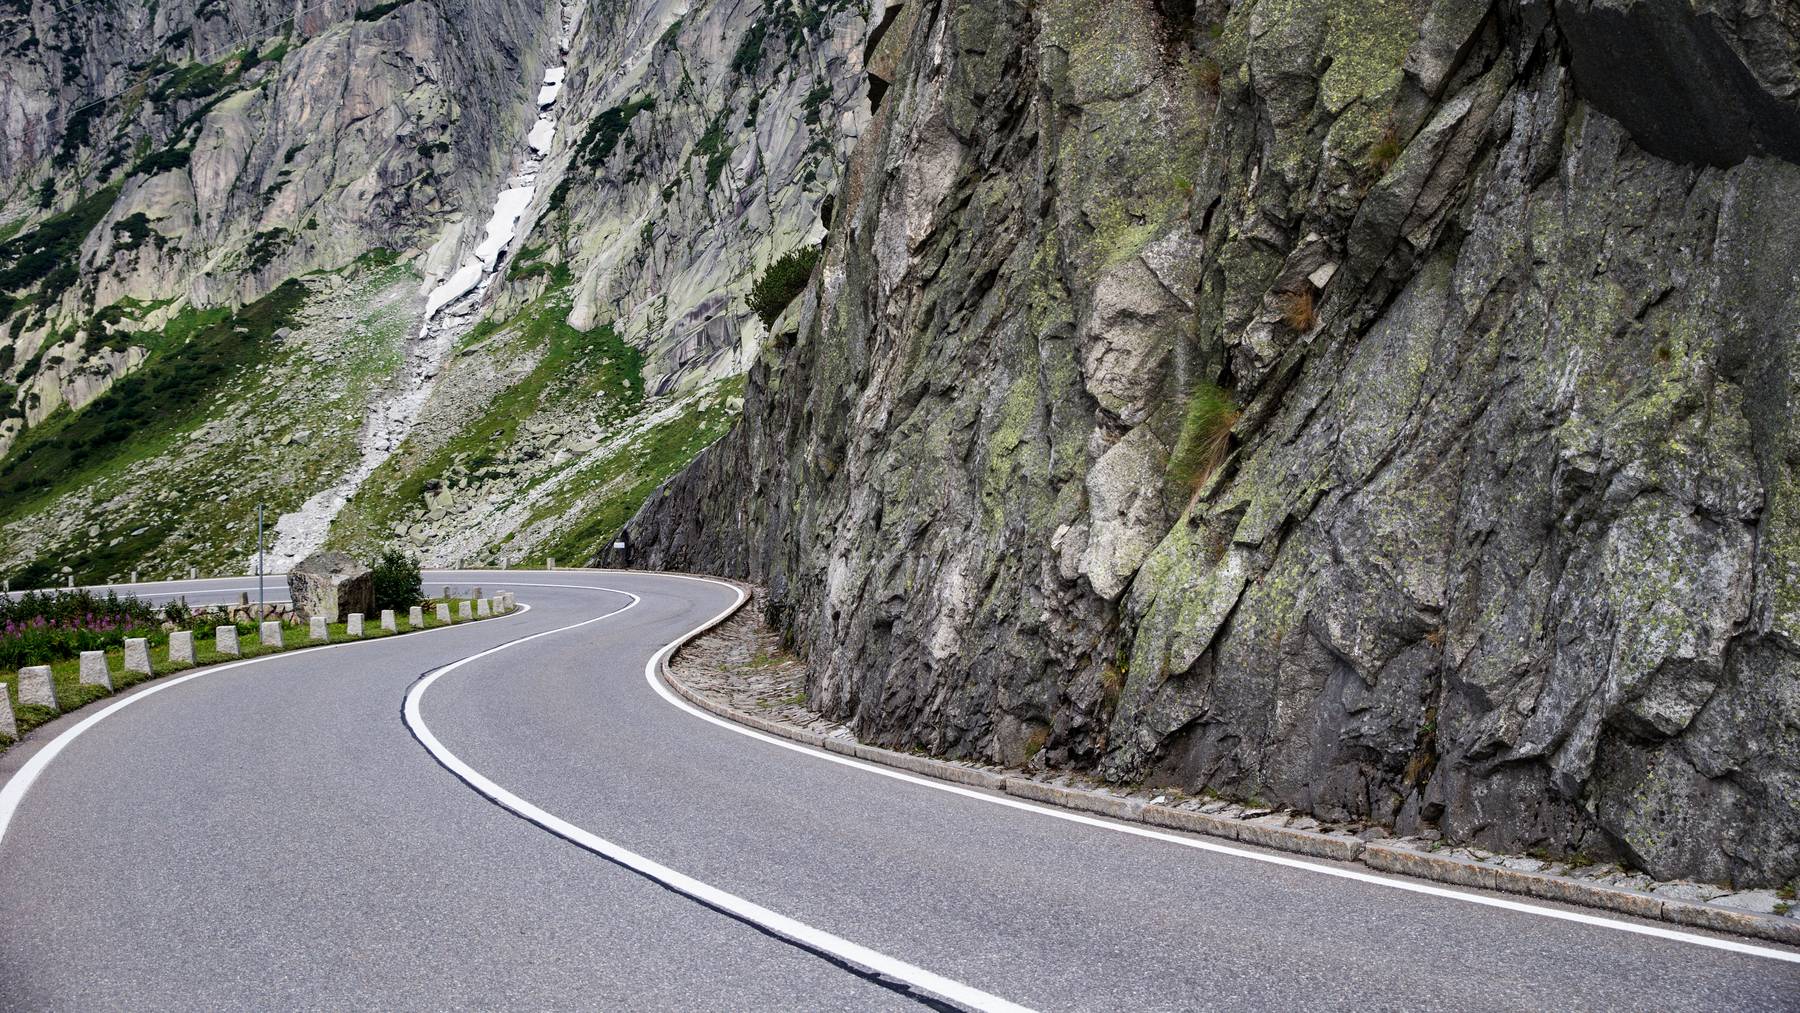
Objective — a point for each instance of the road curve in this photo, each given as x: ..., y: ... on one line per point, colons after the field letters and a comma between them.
x: 274, y: 835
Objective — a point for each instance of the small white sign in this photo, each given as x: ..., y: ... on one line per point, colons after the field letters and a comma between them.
x: 618, y: 545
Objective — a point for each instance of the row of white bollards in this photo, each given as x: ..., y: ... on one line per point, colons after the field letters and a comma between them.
x: 36, y: 687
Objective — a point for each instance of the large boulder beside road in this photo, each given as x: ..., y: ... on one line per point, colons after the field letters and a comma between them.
x: 331, y: 585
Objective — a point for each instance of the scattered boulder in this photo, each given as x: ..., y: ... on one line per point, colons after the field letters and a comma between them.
x: 329, y: 585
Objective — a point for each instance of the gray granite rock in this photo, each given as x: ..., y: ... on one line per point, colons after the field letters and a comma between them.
x: 225, y: 640
x: 330, y: 585
x: 318, y: 630
x: 1473, y: 562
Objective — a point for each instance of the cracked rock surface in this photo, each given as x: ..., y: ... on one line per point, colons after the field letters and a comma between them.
x: 1503, y: 538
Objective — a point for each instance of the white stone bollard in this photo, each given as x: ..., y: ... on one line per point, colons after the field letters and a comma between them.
x: 387, y: 620
x: 415, y: 618
x: 93, y: 669
x: 464, y: 610
x: 446, y: 593
x: 181, y: 647
x: 71, y: 580
x: 9, y: 725
x: 476, y: 593
x: 193, y: 573
x: 353, y: 625
x: 443, y: 612
x: 483, y: 607
x: 134, y: 574
x: 37, y: 688
x: 137, y: 655
x: 550, y: 564
x: 271, y: 633
x: 225, y: 641
x: 319, y: 630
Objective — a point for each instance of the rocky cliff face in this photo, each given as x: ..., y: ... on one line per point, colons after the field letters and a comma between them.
x: 704, y: 139
x: 1381, y: 408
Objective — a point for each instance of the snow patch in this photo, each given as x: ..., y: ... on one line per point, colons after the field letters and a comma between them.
x: 542, y: 133
x: 459, y: 284
x: 500, y: 228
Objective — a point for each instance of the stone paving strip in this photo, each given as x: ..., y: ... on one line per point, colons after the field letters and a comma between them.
x: 38, y: 693
x: 739, y: 671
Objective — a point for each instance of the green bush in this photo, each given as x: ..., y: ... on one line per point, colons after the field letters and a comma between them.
x: 397, y: 583
x: 782, y: 283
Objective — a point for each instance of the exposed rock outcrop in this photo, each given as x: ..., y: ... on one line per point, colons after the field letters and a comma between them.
x: 1380, y: 408
x: 331, y: 585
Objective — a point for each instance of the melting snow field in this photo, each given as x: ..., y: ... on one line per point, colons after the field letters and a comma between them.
x: 450, y: 310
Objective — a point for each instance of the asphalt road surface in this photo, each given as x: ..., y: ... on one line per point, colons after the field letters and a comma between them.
x: 510, y: 815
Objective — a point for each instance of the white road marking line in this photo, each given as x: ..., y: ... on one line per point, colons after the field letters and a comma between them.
x: 651, y: 673
x: 770, y: 921
x: 16, y: 786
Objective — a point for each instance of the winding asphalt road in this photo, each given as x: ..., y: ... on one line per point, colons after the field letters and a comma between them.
x: 341, y: 828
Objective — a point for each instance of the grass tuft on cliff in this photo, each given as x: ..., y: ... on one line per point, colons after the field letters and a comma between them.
x: 1205, y: 438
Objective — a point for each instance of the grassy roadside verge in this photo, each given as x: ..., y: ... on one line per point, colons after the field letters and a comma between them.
x: 72, y: 694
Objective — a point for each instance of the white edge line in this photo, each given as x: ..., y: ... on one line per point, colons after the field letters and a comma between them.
x: 16, y: 786
x: 651, y: 673
x: 771, y: 921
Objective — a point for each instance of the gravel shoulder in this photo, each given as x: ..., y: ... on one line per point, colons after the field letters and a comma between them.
x: 742, y: 666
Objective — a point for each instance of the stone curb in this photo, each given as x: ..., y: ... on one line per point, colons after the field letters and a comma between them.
x: 1376, y: 855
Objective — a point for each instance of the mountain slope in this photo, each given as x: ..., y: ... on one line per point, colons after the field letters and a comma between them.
x: 362, y: 155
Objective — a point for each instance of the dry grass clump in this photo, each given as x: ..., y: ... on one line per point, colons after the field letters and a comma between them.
x: 1298, y: 310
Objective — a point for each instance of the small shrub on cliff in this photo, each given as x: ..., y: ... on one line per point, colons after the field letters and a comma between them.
x: 1207, y: 76
x: 1384, y: 152
x: 782, y: 283
x: 397, y: 583
x: 1205, y: 435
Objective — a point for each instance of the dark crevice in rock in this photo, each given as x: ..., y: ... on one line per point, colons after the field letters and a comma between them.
x: 1667, y: 74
